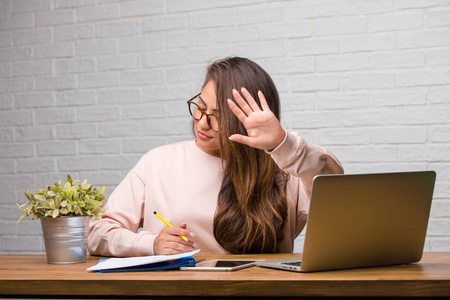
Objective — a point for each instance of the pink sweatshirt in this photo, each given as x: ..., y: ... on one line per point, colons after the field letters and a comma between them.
x: 181, y: 182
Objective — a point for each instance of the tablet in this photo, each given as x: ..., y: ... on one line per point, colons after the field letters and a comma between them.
x: 221, y: 265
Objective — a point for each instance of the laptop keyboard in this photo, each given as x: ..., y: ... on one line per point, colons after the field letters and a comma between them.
x: 293, y: 263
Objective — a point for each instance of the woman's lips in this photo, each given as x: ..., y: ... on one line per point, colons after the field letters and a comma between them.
x: 203, y: 136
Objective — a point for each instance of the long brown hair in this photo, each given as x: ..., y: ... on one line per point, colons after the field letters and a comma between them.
x: 252, y: 207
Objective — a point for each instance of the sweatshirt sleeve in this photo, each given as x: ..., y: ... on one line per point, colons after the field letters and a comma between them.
x: 116, y: 233
x: 304, y: 160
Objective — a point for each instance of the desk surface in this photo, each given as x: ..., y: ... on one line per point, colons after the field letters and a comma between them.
x: 28, y: 275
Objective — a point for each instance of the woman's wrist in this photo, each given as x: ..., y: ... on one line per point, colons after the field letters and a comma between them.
x: 281, y: 136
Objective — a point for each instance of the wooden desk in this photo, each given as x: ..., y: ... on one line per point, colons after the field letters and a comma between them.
x: 31, y: 276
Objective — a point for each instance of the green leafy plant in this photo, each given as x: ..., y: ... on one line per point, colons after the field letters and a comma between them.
x: 65, y: 200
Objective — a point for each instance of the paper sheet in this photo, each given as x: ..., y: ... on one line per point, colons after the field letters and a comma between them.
x: 114, y: 263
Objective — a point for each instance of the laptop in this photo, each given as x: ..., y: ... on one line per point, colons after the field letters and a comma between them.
x: 364, y: 220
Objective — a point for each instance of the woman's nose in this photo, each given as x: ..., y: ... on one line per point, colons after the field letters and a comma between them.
x: 203, y: 122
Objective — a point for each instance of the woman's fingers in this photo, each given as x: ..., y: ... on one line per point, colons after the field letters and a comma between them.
x: 178, y: 246
x: 178, y: 232
x: 172, y: 249
x: 263, y: 101
x: 168, y: 251
x: 250, y: 100
x: 248, y: 104
x: 237, y: 111
x: 239, y: 138
x: 243, y: 105
x: 169, y: 241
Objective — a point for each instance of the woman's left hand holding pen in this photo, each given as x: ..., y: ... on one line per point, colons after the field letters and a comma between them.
x: 169, y: 241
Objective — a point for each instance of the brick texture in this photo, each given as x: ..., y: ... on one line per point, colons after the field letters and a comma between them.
x: 87, y: 87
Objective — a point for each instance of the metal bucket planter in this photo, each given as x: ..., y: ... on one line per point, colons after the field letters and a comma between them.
x: 65, y: 239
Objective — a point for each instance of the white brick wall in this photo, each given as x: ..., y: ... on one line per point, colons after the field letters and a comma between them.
x: 88, y: 86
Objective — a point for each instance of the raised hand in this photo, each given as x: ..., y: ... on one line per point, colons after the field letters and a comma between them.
x: 263, y: 128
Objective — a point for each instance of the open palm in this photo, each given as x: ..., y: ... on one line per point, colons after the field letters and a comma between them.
x: 263, y: 128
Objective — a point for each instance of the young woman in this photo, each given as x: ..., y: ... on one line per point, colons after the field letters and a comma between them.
x: 242, y: 186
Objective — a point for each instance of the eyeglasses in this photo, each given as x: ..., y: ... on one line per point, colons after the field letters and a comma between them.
x: 197, y: 113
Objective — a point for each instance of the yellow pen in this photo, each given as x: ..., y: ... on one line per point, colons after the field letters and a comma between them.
x: 168, y: 224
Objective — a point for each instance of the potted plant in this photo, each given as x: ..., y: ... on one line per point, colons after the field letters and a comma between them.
x: 65, y: 211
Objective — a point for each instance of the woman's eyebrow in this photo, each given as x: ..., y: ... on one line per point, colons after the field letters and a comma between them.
x: 215, y: 109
